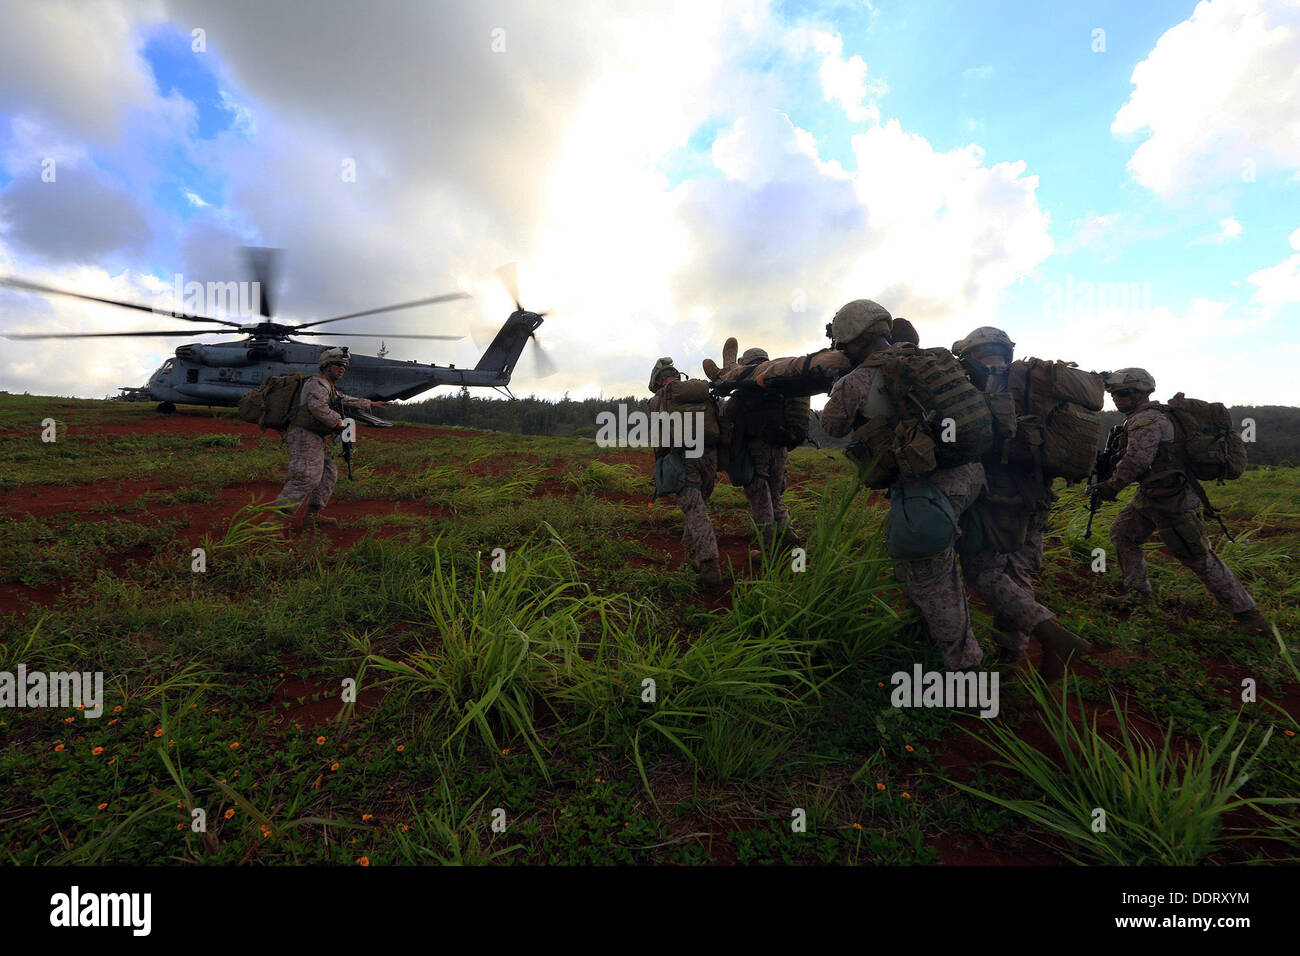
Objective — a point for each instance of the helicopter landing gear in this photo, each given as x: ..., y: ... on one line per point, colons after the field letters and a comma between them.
x: 166, y: 408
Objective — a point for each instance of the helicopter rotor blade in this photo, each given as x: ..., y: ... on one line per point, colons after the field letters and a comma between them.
x: 385, y: 335
x: 48, y: 290
x: 107, y: 335
x: 263, y: 262
x: 449, y: 297
x: 509, y: 276
x: 543, y: 365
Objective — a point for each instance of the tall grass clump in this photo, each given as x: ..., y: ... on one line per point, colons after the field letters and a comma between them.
x: 1161, y: 807
x: 839, y: 598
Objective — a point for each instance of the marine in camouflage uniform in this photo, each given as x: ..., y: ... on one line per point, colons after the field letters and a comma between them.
x: 934, y: 584
x: 701, y: 475
x: 766, y: 489
x: 1166, y: 503
x: 1013, y: 513
x: 310, y: 437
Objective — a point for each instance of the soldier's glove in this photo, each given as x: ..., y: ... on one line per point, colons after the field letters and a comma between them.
x: 339, y: 428
x: 1104, y: 489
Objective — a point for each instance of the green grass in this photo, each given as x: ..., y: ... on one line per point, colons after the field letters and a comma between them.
x: 526, y: 691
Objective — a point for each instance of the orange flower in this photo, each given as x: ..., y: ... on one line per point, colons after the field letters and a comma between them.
x: 180, y: 826
x: 81, y: 707
x: 405, y: 828
x: 401, y: 747
x: 112, y: 722
x: 907, y: 747
x: 880, y: 786
x: 68, y: 720
x: 598, y: 780
x: 117, y: 709
x: 319, y: 741
x: 102, y: 806
x: 97, y: 751
x: 234, y: 746
x: 59, y: 747
x: 364, y: 860
x: 113, y: 761
x: 230, y: 813
x: 158, y: 732
x: 506, y: 750
x: 1289, y: 733
x: 906, y: 795
x: 366, y: 816
x: 857, y: 826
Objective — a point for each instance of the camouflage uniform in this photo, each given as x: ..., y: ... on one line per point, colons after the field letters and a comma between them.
x: 701, y: 475
x: 1166, y: 503
x: 934, y: 584
x: 764, y: 493
x: 312, y: 472
x: 1004, y: 579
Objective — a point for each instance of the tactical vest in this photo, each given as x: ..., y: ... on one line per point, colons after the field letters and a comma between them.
x: 302, y: 415
x: 1166, y: 472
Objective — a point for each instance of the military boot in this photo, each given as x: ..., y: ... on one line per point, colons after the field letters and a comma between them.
x: 790, y: 538
x: 316, y: 518
x: 1126, y: 600
x: 1059, y: 647
x: 763, y: 541
x: 1253, y: 620
x: 709, y: 575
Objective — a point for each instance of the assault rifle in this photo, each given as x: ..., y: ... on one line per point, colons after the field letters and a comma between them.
x: 337, y: 406
x: 1102, y: 469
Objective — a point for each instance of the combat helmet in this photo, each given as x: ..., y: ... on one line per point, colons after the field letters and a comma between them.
x: 856, y: 318
x: 332, y: 355
x: 753, y: 356
x: 984, y: 335
x: 1135, y: 378
x: 664, y: 364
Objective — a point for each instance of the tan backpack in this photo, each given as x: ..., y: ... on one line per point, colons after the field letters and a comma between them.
x: 272, y: 404
x: 1057, y: 421
x: 1206, y: 440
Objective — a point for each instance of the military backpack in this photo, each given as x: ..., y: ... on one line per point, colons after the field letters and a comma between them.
x: 940, y: 419
x: 1205, y: 440
x: 272, y: 404
x: 1047, y: 417
x: 691, y: 396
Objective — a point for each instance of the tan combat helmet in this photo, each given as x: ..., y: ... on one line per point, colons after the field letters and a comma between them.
x: 754, y: 356
x: 984, y: 335
x: 856, y: 318
x: 665, y: 364
x: 331, y: 356
x: 1138, y: 379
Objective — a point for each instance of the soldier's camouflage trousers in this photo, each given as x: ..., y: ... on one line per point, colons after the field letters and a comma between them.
x: 312, y: 473
x: 935, y: 585
x: 764, y: 493
x: 1005, y: 582
x: 1183, y: 532
x: 697, y: 533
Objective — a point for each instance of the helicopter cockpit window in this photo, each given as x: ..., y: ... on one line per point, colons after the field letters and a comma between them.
x: 168, y: 365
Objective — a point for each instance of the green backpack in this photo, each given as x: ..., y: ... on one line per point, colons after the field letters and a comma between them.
x: 271, y: 404
x: 940, y: 418
x: 1207, y: 441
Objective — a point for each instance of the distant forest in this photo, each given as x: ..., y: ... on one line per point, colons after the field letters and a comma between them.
x: 1277, y: 427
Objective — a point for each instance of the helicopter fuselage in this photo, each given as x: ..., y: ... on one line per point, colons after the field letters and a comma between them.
x: 220, y: 373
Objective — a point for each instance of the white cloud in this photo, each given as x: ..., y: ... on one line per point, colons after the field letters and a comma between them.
x: 1218, y: 97
x: 843, y: 80
x: 1229, y: 230
x: 1279, y: 285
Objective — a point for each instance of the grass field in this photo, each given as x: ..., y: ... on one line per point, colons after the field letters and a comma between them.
x: 503, y: 716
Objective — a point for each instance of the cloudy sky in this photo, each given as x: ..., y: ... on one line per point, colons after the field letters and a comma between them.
x: 1112, y: 183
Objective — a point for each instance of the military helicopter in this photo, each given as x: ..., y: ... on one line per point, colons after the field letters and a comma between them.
x: 219, y: 374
